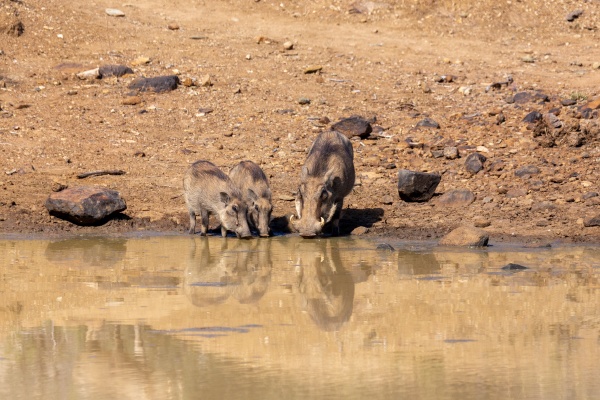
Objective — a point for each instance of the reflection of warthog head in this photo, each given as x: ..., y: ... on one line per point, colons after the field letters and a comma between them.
x: 325, y: 286
x: 229, y: 268
x: 96, y: 252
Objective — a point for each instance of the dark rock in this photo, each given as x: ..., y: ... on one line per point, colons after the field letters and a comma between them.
x: 514, y: 267
x: 157, y: 84
x: 466, y: 236
x: 417, y: 186
x: 589, y: 195
x: 456, y: 198
x: 303, y: 101
x: 593, y: 221
x: 526, y: 97
x: 85, y: 205
x: 568, y: 102
x: 428, y: 123
x: 474, y: 162
x: 353, y: 126
x: 533, y: 117
x: 527, y: 171
x: 385, y: 246
x: 114, y: 70
x: 573, y: 15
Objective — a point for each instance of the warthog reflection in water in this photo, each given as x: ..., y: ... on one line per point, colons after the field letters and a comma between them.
x: 217, y: 270
x: 326, y: 288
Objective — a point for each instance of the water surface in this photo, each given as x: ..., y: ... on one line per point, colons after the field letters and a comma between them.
x: 190, y: 317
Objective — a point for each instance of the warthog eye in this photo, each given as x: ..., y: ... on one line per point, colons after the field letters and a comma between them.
x: 324, y: 194
x: 235, y: 208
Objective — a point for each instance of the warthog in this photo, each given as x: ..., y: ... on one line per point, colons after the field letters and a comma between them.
x: 327, y: 177
x: 254, y: 185
x: 207, y: 189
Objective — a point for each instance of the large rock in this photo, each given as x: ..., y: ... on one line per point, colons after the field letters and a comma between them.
x: 466, y: 236
x: 85, y: 205
x: 417, y: 186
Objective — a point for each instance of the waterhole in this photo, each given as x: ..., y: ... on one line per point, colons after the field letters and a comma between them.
x: 181, y: 317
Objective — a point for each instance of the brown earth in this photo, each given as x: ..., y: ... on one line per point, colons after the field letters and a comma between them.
x: 396, y: 62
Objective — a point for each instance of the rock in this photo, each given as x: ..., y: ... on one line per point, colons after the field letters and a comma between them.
x: 303, y: 101
x: 474, y: 162
x: 450, y: 152
x: 173, y: 26
x: 113, y: 12
x: 456, y: 198
x: 516, y: 192
x: 589, y: 195
x: 466, y: 236
x: 481, y: 222
x: 142, y: 60
x: 417, y: 186
x: 387, y: 199
x: 313, y: 69
x: 58, y: 186
x: 514, y: 267
x: 568, y: 102
x: 85, y: 205
x: 573, y: 15
x: 359, y: 230
x: 543, y: 206
x: 205, y: 81
x: 593, y: 105
x: 131, y: 100
x: 353, y: 126
x: 428, y: 123
x: 114, y: 70
x: 288, y: 45
x: 593, y: 221
x: 533, y: 117
x: 89, y: 74
x: 157, y: 84
x: 527, y: 171
x: 10, y: 24
x: 526, y: 97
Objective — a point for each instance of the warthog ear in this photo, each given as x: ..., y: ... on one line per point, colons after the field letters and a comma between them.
x: 252, y: 195
x: 225, y: 197
x: 327, y: 177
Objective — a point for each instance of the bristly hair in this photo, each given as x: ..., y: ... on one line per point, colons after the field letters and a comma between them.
x: 207, y: 168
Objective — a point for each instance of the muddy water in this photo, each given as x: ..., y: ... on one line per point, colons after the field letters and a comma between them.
x: 186, y: 318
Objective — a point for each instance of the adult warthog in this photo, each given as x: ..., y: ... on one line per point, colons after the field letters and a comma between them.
x: 327, y: 177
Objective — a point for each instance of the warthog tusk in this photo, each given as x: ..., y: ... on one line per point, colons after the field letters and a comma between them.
x: 292, y: 217
x: 322, y: 222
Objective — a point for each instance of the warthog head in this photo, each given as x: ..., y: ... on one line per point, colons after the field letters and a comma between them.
x: 259, y: 212
x: 233, y: 215
x: 315, y: 203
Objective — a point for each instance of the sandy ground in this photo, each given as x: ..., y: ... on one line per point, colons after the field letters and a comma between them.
x: 246, y: 94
